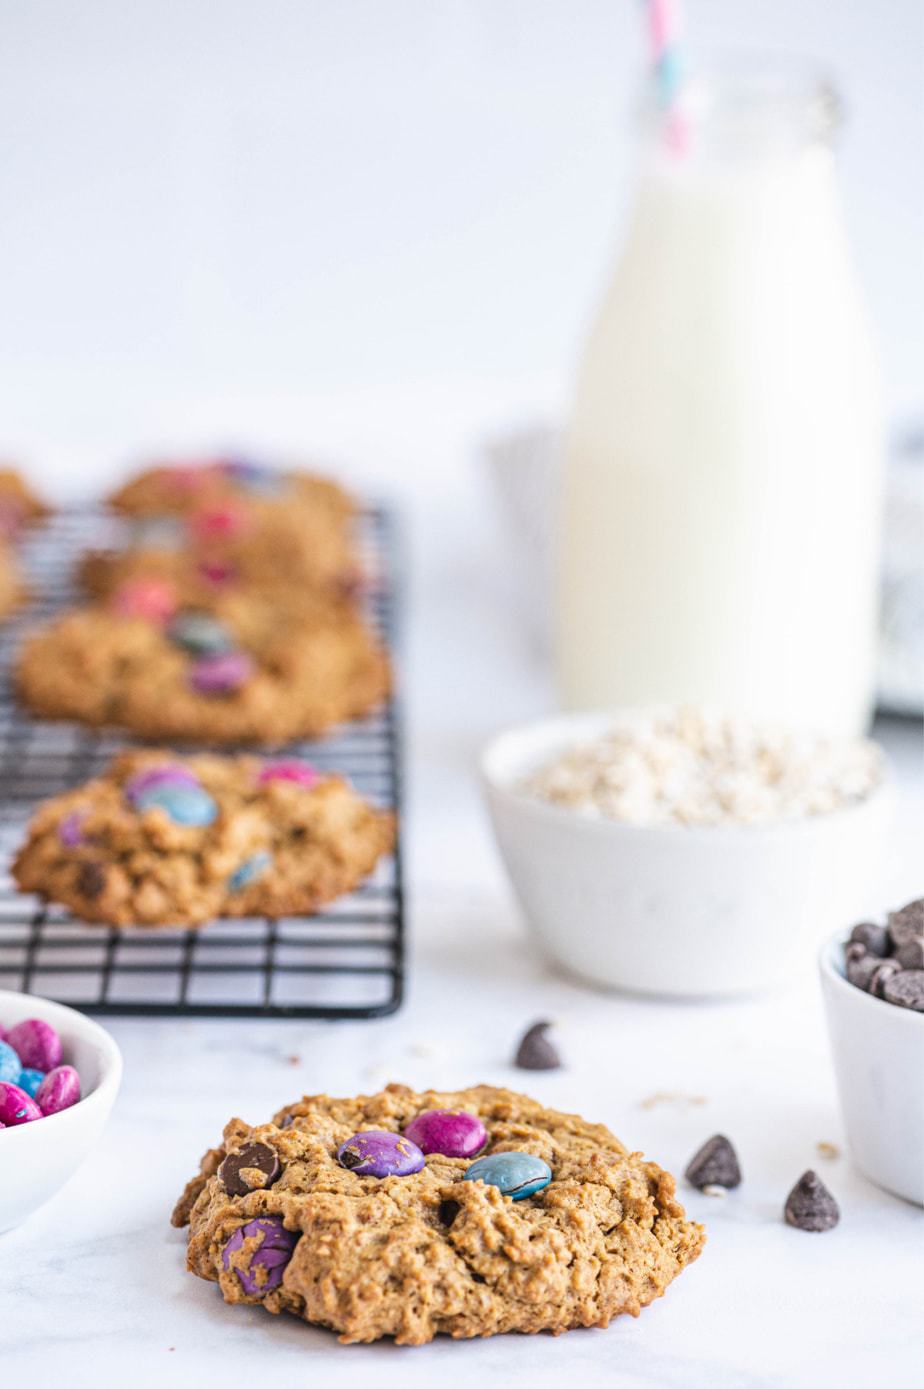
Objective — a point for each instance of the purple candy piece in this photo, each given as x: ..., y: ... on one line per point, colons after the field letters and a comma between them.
x: 59, y: 1090
x: 289, y: 769
x: 16, y: 1107
x: 268, y: 1262
x: 171, y: 774
x: 450, y: 1132
x: 70, y: 829
x: 221, y: 674
x: 380, y: 1153
x: 36, y: 1043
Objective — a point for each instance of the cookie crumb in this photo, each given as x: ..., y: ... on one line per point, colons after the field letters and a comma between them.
x: 671, y: 1097
x: 294, y: 1059
x: 827, y: 1150
x: 713, y: 1189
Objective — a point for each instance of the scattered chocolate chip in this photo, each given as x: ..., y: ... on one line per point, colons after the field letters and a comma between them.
x: 910, y: 954
x: 536, y: 1052
x: 906, y: 989
x: 715, y: 1164
x: 810, y: 1205
x: 907, y: 922
x: 860, y: 971
x: 448, y: 1211
x: 875, y: 938
x: 883, y: 971
x: 91, y: 878
x: 255, y: 1155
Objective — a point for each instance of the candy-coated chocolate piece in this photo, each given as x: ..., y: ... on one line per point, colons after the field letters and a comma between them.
x: 30, y: 1080
x: 254, y: 477
x: 36, y: 1043
x: 221, y: 674
x: 16, y: 1107
x: 380, y: 1153
x: 251, y: 869
x: 10, y: 1064
x: 153, y: 778
x: 514, y: 1174
x: 59, y: 1090
x: 451, y: 1132
x: 289, y: 769
x: 153, y: 599
x: 200, y: 633
x: 70, y: 829
x: 186, y: 805
x: 216, y: 524
x: 251, y: 1168
x: 217, y: 571
x: 267, y: 1263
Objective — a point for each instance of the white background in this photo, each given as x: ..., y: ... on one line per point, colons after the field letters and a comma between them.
x: 375, y: 226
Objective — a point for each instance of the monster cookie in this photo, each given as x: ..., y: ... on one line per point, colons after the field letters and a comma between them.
x: 207, y: 527
x: 18, y: 508
x: 161, y: 840
x: 406, y: 1215
x: 244, y: 669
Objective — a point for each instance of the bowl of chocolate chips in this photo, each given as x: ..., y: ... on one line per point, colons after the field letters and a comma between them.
x: 873, y: 985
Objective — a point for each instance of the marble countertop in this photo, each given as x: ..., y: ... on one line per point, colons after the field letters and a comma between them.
x: 93, y: 1289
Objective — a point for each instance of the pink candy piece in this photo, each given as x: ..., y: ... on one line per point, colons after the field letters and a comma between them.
x: 289, y: 769
x: 221, y: 674
x: 36, y: 1043
x: 216, y: 571
x: 16, y: 1107
x: 217, y: 523
x: 173, y: 774
x: 59, y: 1090
x: 153, y: 599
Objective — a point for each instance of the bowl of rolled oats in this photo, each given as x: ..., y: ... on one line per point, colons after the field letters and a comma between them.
x: 682, y: 852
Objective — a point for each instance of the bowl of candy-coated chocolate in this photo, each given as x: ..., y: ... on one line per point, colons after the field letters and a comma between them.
x: 59, y: 1076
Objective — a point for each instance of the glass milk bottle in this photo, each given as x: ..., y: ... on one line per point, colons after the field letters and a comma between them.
x: 721, y: 499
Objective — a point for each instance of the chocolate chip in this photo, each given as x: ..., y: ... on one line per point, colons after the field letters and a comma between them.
x: 910, y: 954
x: 258, y: 1155
x: 856, y: 950
x: 810, y: 1205
x: 883, y: 971
x: 448, y: 1211
x: 875, y: 938
x: 536, y: 1052
x: 907, y: 922
x: 91, y: 878
x: 715, y: 1164
x: 860, y: 971
x: 906, y: 989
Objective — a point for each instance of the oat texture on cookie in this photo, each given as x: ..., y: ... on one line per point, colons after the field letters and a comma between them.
x: 396, y: 1243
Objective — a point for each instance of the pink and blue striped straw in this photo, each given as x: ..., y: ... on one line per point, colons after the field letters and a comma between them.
x: 664, y: 28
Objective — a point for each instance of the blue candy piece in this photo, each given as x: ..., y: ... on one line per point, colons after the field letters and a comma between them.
x: 30, y: 1080
x: 186, y: 805
x: 251, y: 868
x: 254, y: 477
x: 200, y: 633
x: 515, y: 1174
x: 10, y: 1065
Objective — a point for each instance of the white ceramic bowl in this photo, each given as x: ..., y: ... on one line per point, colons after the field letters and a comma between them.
x: 672, y: 910
x: 878, y: 1052
x: 37, y: 1159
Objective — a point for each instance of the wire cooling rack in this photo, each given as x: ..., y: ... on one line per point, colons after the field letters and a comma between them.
x: 345, y: 962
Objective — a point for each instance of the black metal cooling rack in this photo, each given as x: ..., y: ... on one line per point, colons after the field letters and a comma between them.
x: 345, y: 962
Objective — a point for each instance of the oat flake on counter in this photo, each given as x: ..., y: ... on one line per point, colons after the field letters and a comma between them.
x: 688, y: 767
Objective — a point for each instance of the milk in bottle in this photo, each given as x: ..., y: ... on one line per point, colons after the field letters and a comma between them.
x: 722, y: 486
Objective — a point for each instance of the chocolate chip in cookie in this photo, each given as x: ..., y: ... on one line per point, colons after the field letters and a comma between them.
x: 810, y: 1205
x: 91, y: 879
x: 536, y: 1051
x: 715, y: 1164
x: 240, y: 1172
